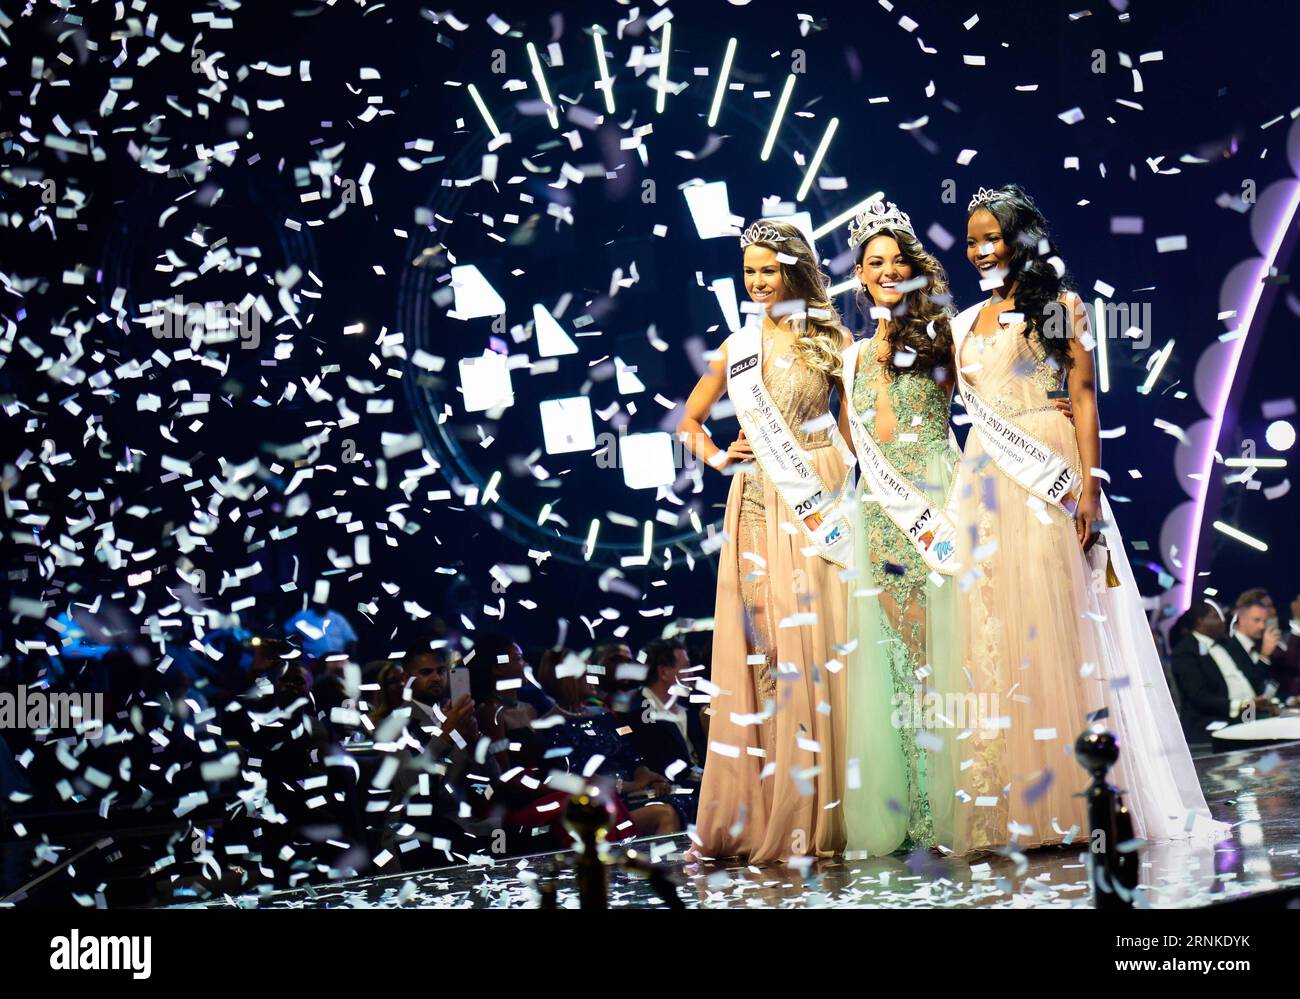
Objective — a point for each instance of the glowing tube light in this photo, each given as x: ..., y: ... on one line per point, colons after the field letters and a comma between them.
x: 1241, y: 536
x: 606, y: 83
x: 816, y: 163
x: 664, y: 45
x: 723, y: 76
x: 482, y: 109
x: 845, y: 215
x: 541, y: 86
x: 775, y: 127
x: 1103, y: 357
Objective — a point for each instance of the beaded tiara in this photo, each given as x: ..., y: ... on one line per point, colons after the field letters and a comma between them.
x: 876, y: 216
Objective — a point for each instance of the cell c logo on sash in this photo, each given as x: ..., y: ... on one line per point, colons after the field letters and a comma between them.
x: 744, y: 364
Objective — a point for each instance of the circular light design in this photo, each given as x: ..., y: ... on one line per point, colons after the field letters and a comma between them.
x: 1280, y: 435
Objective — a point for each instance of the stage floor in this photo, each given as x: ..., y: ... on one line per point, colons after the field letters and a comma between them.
x: 1257, y: 790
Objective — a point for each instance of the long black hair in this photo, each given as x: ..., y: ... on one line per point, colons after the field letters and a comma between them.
x: 1039, y: 282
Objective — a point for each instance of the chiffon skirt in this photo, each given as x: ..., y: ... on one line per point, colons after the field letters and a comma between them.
x: 905, y: 691
x: 774, y: 775
x: 1050, y: 640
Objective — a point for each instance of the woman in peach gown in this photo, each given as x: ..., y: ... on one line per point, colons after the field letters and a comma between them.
x: 773, y: 777
x: 1054, y: 625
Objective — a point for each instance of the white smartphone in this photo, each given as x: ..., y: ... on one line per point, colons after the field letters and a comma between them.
x: 458, y: 682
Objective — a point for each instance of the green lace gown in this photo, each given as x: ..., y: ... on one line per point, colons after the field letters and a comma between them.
x: 901, y: 747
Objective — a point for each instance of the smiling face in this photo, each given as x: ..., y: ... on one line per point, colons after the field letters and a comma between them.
x: 986, y: 248
x: 763, y: 280
x: 883, y: 267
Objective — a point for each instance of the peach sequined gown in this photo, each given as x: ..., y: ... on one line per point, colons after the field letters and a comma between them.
x: 774, y: 776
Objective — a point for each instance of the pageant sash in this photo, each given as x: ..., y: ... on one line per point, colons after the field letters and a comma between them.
x: 930, y: 529
x: 1019, y: 455
x: 818, y: 509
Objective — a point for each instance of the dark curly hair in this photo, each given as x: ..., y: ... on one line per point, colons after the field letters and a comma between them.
x: 910, y: 328
x: 1039, y: 285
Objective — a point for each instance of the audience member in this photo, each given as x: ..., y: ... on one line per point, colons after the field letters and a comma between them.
x: 508, y: 696
x: 574, y: 693
x: 321, y: 630
x: 666, y: 729
x: 1217, y: 680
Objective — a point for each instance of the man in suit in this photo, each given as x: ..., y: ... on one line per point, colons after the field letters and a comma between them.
x: 666, y: 729
x: 1254, y: 634
x: 1260, y: 635
x: 1217, y: 679
x: 440, y: 789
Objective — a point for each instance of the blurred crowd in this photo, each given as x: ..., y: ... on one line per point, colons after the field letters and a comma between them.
x: 268, y: 755
x: 278, y: 754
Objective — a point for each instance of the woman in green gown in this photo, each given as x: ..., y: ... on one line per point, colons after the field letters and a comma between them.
x: 910, y: 707
x: 902, y: 604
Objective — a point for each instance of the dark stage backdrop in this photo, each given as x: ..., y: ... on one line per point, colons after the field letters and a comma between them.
x: 327, y: 166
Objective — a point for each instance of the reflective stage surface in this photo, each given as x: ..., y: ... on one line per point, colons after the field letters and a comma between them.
x: 1256, y: 790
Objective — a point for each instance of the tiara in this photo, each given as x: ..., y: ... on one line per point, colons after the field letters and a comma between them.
x: 876, y: 216
x: 982, y: 196
x: 761, y: 232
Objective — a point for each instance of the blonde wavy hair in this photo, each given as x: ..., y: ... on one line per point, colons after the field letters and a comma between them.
x: 818, y: 339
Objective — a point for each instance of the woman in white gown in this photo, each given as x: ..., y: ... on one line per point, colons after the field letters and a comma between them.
x: 1054, y: 629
